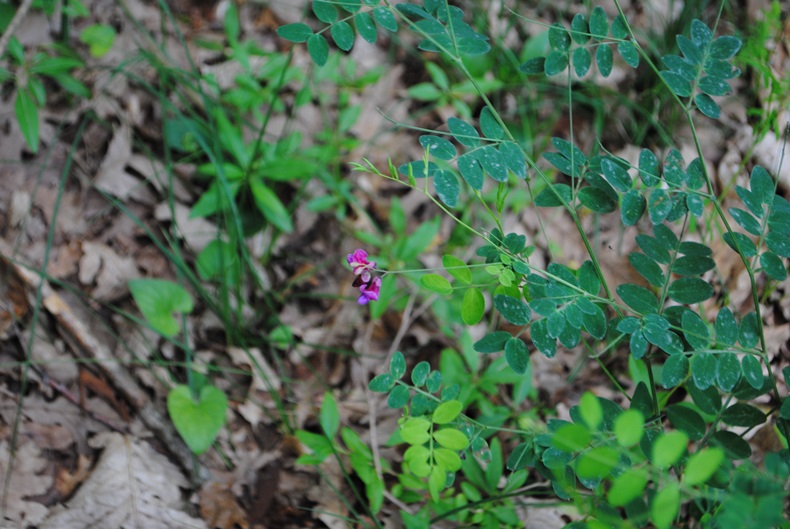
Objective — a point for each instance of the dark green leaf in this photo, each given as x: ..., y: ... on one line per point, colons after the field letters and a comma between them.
x: 599, y: 23
x: 397, y: 365
x: 752, y: 371
x: 420, y: 373
x: 616, y: 175
x: 733, y: 445
x: 695, y: 330
x: 675, y: 370
x: 352, y: 6
x: 492, y: 162
x: 714, y: 86
x: 318, y: 48
x: 773, y: 266
x: 604, y: 58
x: 701, y: 35
x: 653, y: 248
x: 463, y: 132
x: 707, y: 106
x: 629, y: 325
x: 398, y: 397
x: 690, y: 50
x: 447, y: 188
x: 746, y: 245
x: 726, y: 327
x: 581, y: 61
x: 559, y: 38
x: 628, y: 53
x: 580, y: 30
x: 746, y: 221
x: 633, y: 207
x: 365, y: 27
x: 514, y: 158
x: 471, y: 171
x: 703, y: 370
x: 418, y: 169
x: 640, y: 299
x: 659, y: 206
x: 647, y: 268
x: 742, y: 414
x: 438, y: 147
x: 492, y: 342
x: 648, y: 168
x: 679, y: 85
x: 686, y: 419
x: 638, y: 345
x: 555, y: 63
x: 595, y: 323
x: 381, y: 383
x: 270, y: 206
x: 762, y: 185
x: 513, y: 310
x: 297, y: 32
x: 673, y: 168
x: 533, y: 66
x: 778, y: 243
x: 548, y: 197
x: 385, y: 18
x: 619, y: 28
x: 688, y: 290
x: 588, y: 278
x: 725, y: 47
x: 728, y: 371
x: 692, y: 265
x: 680, y: 66
x: 696, y: 249
x: 521, y: 457
x: 708, y: 400
x: 541, y: 339
x: 26, y: 113
x: 489, y: 125
x: 517, y: 355
x: 324, y: 11
x: 597, y: 200
x: 749, y: 332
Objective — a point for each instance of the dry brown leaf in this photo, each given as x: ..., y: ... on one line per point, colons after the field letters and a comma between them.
x: 196, y: 232
x: 131, y: 486
x: 66, y: 482
x: 110, y: 271
x: 26, y: 480
x: 219, y: 507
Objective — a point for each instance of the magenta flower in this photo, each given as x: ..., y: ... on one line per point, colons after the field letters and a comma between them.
x: 359, y: 262
x: 369, y: 291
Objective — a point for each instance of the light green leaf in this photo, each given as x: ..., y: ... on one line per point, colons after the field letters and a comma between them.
x: 627, y: 487
x: 269, y: 204
x: 689, y: 290
x: 629, y: 427
x: 590, y: 410
x: 702, y: 465
x: 329, y: 417
x: 415, y: 431
x: 665, y: 506
x: 158, y: 299
x: 451, y: 439
x: 473, y: 306
x: 447, y: 412
x: 668, y: 448
x: 99, y: 38
x: 27, y: 117
x: 436, y: 283
x: 457, y: 268
x: 197, y: 421
x: 571, y: 438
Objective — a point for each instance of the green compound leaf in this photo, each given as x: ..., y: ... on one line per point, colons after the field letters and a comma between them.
x: 581, y: 61
x: 158, y: 300
x: 473, y: 306
x: 627, y: 487
x: 689, y: 290
x: 438, y: 147
x: 686, y: 419
x: 703, y: 370
x: 492, y: 162
x: 724, y: 48
x: 693, y: 265
x: 773, y: 266
x: 604, y: 58
x: 726, y: 327
x: 669, y: 448
x: 381, y: 383
x: 318, y: 48
x: 463, y: 132
x: 297, y: 32
x: 702, y: 465
x: 695, y: 330
x: 633, y: 207
x: 398, y: 397
x: 365, y: 27
x: 436, y: 283
x: 447, y: 188
x: 385, y: 19
x: 451, y: 439
x: 533, y: 66
x: 447, y: 412
x: 397, y: 365
x: 728, y: 371
x: 579, y: 29
x: 559, y: 38
x: 447, y: 460
x: 489, y: 125
x: 629, y: 427
x: 324, y: 11
x: 415, y: 430
x: 742, y: 414
x: 420, y: 373
x: 647, y: 268
x: 679, y: 85
x: 629, y: 53
x: 517, y: 355
x: 675, y: 370
x: 640, y: 299
x: 571, y: 438
x: 471, y: 171
x: 707, y: 106
x: 513, y: 310
x: 752, y: 371
x: 197, y: 421
x: 555, y: 63
x: 492, y: 342
x: 665, y: 506
x: 597, y: 200
x: 599, y: 23
x: 749, y: 331
x: 541, y: 339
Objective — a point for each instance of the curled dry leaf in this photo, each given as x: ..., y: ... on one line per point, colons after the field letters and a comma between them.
x: 219, y: 508
x: 27, y: 479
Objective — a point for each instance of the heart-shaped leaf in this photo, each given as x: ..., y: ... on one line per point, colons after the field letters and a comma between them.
x: 197, y: 421
x: 158, y: 299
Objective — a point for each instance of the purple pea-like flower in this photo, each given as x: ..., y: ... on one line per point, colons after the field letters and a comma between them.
x: 369, y: 291
x: 359, y: 262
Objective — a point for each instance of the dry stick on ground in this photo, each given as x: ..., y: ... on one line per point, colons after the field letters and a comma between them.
x: 14, y: 25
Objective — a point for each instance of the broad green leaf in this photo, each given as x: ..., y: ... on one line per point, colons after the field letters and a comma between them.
x: 517, y: 355
x: 778, y: 243
x: 749, y: 331
x: 492, y: 162
x: 329, y: 418
x: 726, y: 327
x: 707, y: 106
x: 746, y: 221
x: 702, y: 465
x: 447, y: 187
x: 590, y: 410
x: 324, y: 11
x: 724, y: 48
x: 752, y: 371
x: 415, y: 430
x: 686, y: 419
x: 520, y: 457
x: 640, y: 299
x: 689, y: 290
x: 365, y: 27
x: 553, y: 196
x: 451, y: 439
x: 581, y: 61
x: 219, y: 260
x: 604, y: 58
x: 713, y: 86
x: 742, y: 414
x: 555, y: 63
x: 762, y: 185
x: 629, y: 53
x: 695, y: 330
x: 629, y: 428
x: 627, y: 486
x: 457, y: 268
x: 26, y: 113
x: 692, y: 265
x: 318, y: 48
x: 197, y: 421
x: 381, y: 383
x: 385, y: 18
x: 158, y: 300
x: 595, y: 322
x: 436, y: 283
x: 647, y: 268
x: 471, y: 171
x: 541, y: 339
x: 352, y: 6
x: 668, y: 448
x: 447, y: 460
x: 744, y: 243
x: 420, y: 373
x: 492, y: 342
x: 269, y: 204
x: 633, y: 207
x: 99, y: 38
x: 473, y: 306
x: 733, y: 445
x: 533, y: 66
x: 638, y: 345
x: 773, y: 266
x: 690, y: 51
x: 728, y: 371
x: 447, y: 412
x: 597, y: 200
x: 398, y: 397
x: 648, y: 168
x: 514, y: 158
x: 703, y: 370
x: 559, y: 38
x: 707, y: 400
x: 679, y: 85
x: 653, y: 248
x: 513, y: 310
x: 665, y: 506
x: 701, y: 35
x: 296, y: 32
x: 438, y: 147
x: 659, y: 206
x: 579, y: 29
x: 599, y: 23
x: 397, y: 365
x: 489, y: 125
x: 463, y: 132
x: 674, y: 371
x: 597, y: 463
x: 571, y: 438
